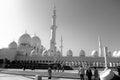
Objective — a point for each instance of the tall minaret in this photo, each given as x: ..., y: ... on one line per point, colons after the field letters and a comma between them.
x: 61, y: 47
x: 53, y: 34
x: 106, y: 57
x: 100, y: 47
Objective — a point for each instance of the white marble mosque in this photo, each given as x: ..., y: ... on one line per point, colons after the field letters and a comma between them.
x: 30, y: 48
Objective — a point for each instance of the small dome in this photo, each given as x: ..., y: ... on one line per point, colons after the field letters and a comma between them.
x: 115, y: 53
x: 59, y: 53
x: 82, y: 53
x: 33, y: 53
x: 35, y: 41
x: 109, y: 54
x: 13, y: 45
x: 45, y: 53
x: 25, y: 39
x: 69, y: 53
x: 94, y: 53
x: 118, y: 54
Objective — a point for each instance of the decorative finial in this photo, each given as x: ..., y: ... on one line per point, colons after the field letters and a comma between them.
x: 34, y: 34
x: 61, y: 36
x: 13, y: 40
x: 25, y: 31
x: 54, y: 7
x: 54, y: 10
x: 61, y: 40
x: 99, y: 40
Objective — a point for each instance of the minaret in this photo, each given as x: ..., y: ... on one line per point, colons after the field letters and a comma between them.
x: 106, y: 57
x: 61, y: 47
x: 100, y: 47
x: 53, y: 34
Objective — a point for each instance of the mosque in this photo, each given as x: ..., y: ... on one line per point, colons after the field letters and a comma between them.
x: 30, y: 50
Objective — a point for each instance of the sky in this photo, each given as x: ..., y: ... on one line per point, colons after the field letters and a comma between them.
x: 79, y: 22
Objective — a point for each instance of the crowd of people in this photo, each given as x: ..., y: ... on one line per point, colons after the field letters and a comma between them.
x: 93, y: 74
x: 88, y: 73
x: 82, y: 72
x: 58, y: 67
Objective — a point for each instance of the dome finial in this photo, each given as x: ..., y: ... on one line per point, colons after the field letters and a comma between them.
x: 54, y: 7
x: 25, y: 31
x: 13, y: 40
x: 34, y: 34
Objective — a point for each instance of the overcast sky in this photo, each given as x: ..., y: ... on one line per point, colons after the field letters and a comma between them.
x: 79, y: 22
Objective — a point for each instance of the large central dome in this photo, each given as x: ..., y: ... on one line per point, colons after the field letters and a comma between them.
x: 25, y: 39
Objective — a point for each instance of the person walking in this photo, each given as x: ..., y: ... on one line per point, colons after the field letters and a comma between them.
x: 81, y: 72
x: 55, y: 66
x: 49, y: 73
x: 62, y: 67
x: 96, y: 75
x: 118, y: 70
x: 24, y: 67
x: 89, y: 73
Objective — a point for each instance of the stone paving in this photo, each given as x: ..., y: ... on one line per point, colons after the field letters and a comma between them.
x: 12, y: 77
x: 18, y: 74
x: 43, y: 73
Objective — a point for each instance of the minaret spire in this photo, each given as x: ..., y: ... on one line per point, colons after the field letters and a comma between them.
x: 53, y: 33
x: 54, y: 16
x: 106, y: 57
x: 100, y: 47
x: 61, y: 47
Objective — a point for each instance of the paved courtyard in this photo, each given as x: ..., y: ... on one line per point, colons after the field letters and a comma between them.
x: 30, y: 74
x: 18, y: 74
x: 12, y: 77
